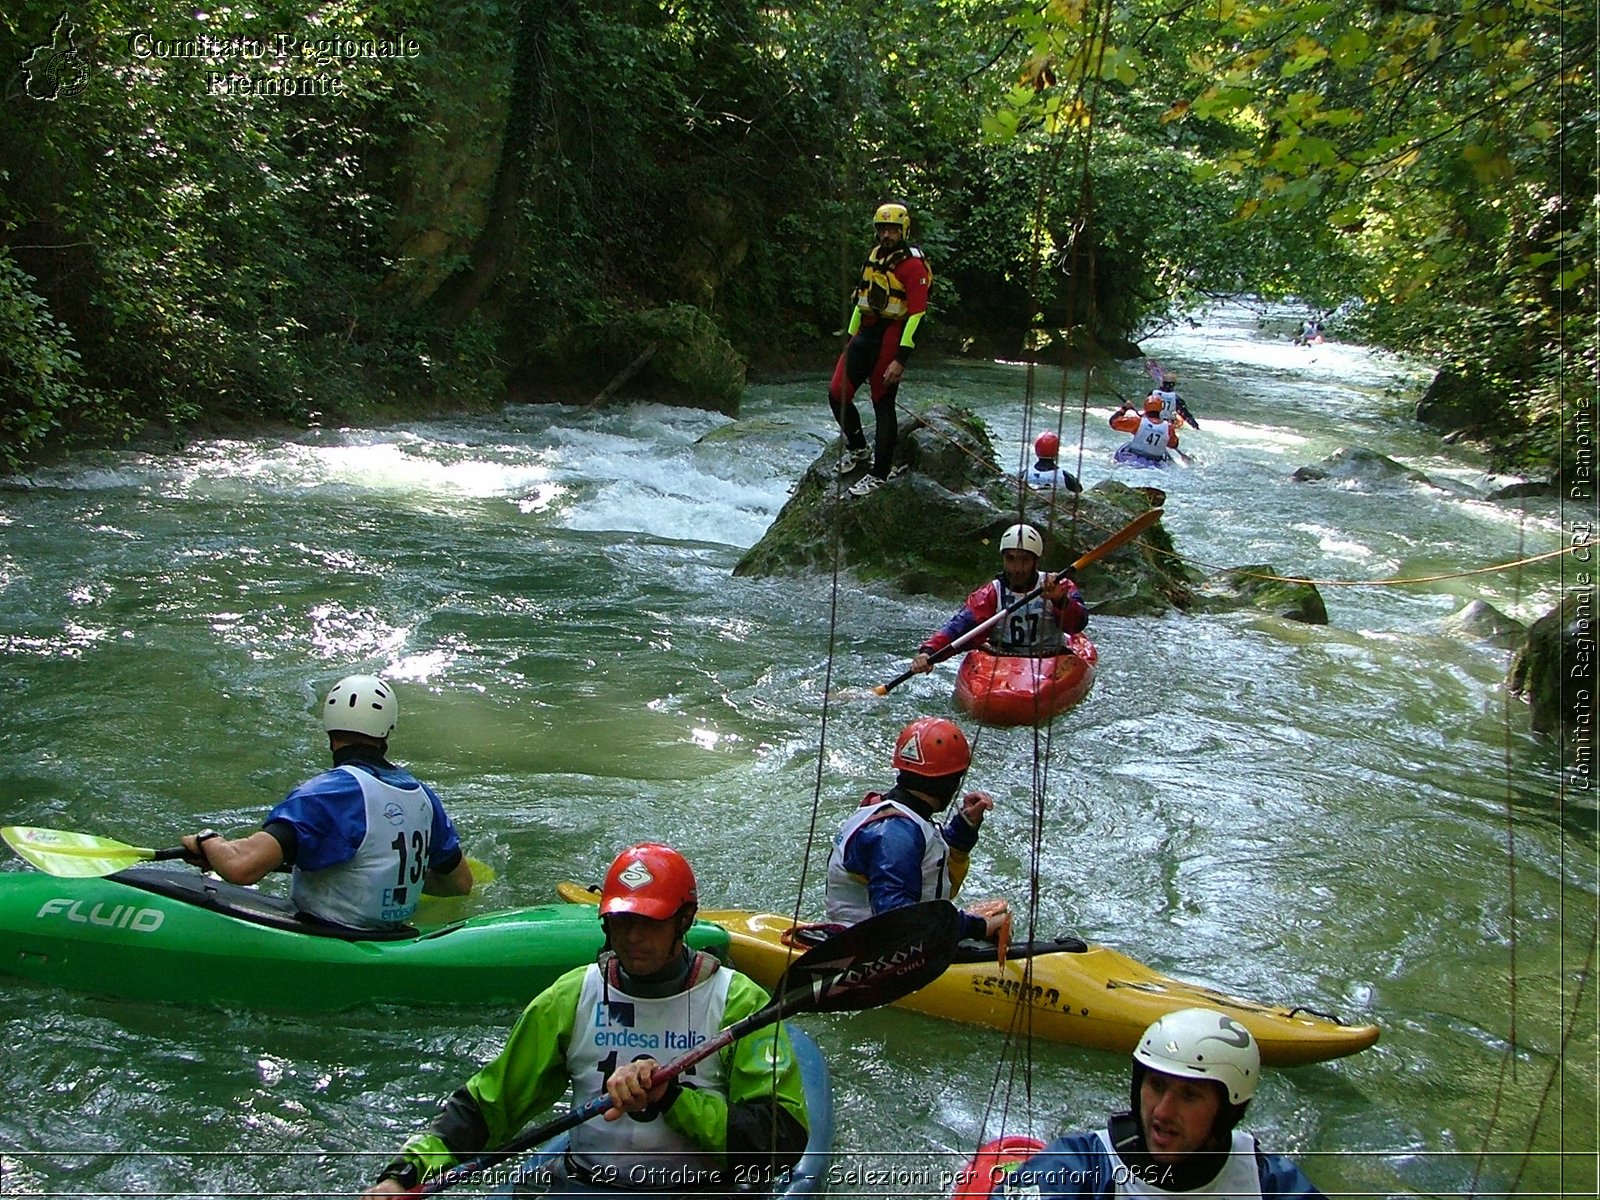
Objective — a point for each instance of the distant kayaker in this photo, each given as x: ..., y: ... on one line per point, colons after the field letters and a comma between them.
x: 889, y: 853
x: 1045, y: 473
x: 1194, y: 1072
x: 364, y: 840
x: 1153, y: 436
x: 1174, y: 408
x: 742, y: 1118
x: 889, y: 304
x: 1035, y: 629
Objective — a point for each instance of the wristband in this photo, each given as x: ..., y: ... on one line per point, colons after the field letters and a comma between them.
x: 403, y: 1171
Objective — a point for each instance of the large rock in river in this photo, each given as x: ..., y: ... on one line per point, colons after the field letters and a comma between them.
x: 1555, y: 669
x: 936, y: 527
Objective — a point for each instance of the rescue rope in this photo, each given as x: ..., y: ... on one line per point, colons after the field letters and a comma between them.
x: 1408, y: 580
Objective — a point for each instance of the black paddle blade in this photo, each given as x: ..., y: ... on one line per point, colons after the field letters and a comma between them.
x: 875, y: 961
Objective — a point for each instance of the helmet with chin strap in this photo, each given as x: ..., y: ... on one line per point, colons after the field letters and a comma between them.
x: 649, y: 880
x: 1202, y: 1043
x: 361, y: 704
x: 893, y: 214
x: 1047, y: 445
x: 1152, y: 406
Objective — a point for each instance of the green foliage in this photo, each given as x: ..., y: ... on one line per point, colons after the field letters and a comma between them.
x: 212, y: 247
x: 41, y: 380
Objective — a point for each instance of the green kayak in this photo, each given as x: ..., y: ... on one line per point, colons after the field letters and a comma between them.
x: 157, y: 933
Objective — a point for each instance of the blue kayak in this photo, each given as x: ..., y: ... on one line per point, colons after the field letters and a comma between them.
x: 808, y: 1178
x: 1133, y: 459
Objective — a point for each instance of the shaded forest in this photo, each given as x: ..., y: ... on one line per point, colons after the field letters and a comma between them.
x: 367, y: 209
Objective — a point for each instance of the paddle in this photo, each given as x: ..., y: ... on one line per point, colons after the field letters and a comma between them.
x: 1121, y: 537
x: 70, y: 855
x: 78, y: 855
x: 866, y: 965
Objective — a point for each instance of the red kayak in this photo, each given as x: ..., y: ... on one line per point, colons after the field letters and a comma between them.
x: 1012, y: 690
x: 993, y: 1162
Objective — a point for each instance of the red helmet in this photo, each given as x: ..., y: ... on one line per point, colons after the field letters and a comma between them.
x: 649, y: 879
x: 1046, y: 445
x: 932, y: 746
x: 1152, y: 405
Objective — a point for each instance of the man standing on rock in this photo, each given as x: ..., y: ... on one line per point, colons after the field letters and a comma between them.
x: 889, y: 303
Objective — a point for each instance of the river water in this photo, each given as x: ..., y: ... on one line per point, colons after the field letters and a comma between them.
x: 1351, y: 817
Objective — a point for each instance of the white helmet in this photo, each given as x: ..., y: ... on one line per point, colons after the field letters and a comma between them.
x: 1201, y: 1043
x: 1022, y: 537
x: 361, y: 704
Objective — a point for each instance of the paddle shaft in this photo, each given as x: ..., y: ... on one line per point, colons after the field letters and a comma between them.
x: 1121, y: 537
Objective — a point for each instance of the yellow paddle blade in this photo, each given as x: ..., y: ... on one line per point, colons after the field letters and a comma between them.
x: 72, y: 855
x: 441, y: 910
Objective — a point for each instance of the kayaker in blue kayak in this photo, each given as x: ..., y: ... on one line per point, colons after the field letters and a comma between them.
x: 1037, y: 628
x: 363, y: 840
x: 889, y: 853
x: 1153, y: 437
x: 602, y: 1028
x: 1194, y: 1072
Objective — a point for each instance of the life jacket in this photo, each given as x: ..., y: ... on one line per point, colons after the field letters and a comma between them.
x: 613, y: 1027
x: 380, y: 885
x: 1031, y: 630
x: 847, y: 897
x: 1149, y: 440
x: 880, y: 291
x: 1239, y: 1178
x: 1169, y: 403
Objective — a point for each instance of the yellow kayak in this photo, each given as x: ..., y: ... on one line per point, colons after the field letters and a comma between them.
x: 1081, y: 993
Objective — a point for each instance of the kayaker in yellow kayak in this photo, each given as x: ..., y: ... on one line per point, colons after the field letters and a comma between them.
x: 889, y: 853
x: 1037, y: 628
x: 602, y: 1028
x: 1194, y: 1072
x: 364, y: 840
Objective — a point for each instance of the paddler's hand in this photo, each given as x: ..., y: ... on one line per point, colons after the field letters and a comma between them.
x: 386, y: 1187
x: 192, y: 854
x: 1055, y: 587
x: 630, y: 1088
x: 892, y: 373
x: 973, y: 806
x: 996, y: 916
x: 921, y: 664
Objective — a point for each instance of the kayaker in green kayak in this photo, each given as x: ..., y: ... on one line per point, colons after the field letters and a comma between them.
x: 732, y: 1118
x: 364, y: 840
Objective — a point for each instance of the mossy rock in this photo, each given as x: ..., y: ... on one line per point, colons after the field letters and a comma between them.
x: 935, y: 528
x: 1357, y: 463
x: 1555, y: 669
x: 1262, y: 586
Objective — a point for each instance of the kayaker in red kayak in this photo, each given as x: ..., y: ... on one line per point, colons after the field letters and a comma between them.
x: 364, y: 840
x: 889, y: 853
x: 1194, y: 1072
x: 602, y: 1028
x: 1036, y: 629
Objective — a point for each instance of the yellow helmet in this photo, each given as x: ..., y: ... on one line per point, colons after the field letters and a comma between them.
x: 893, y: 214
